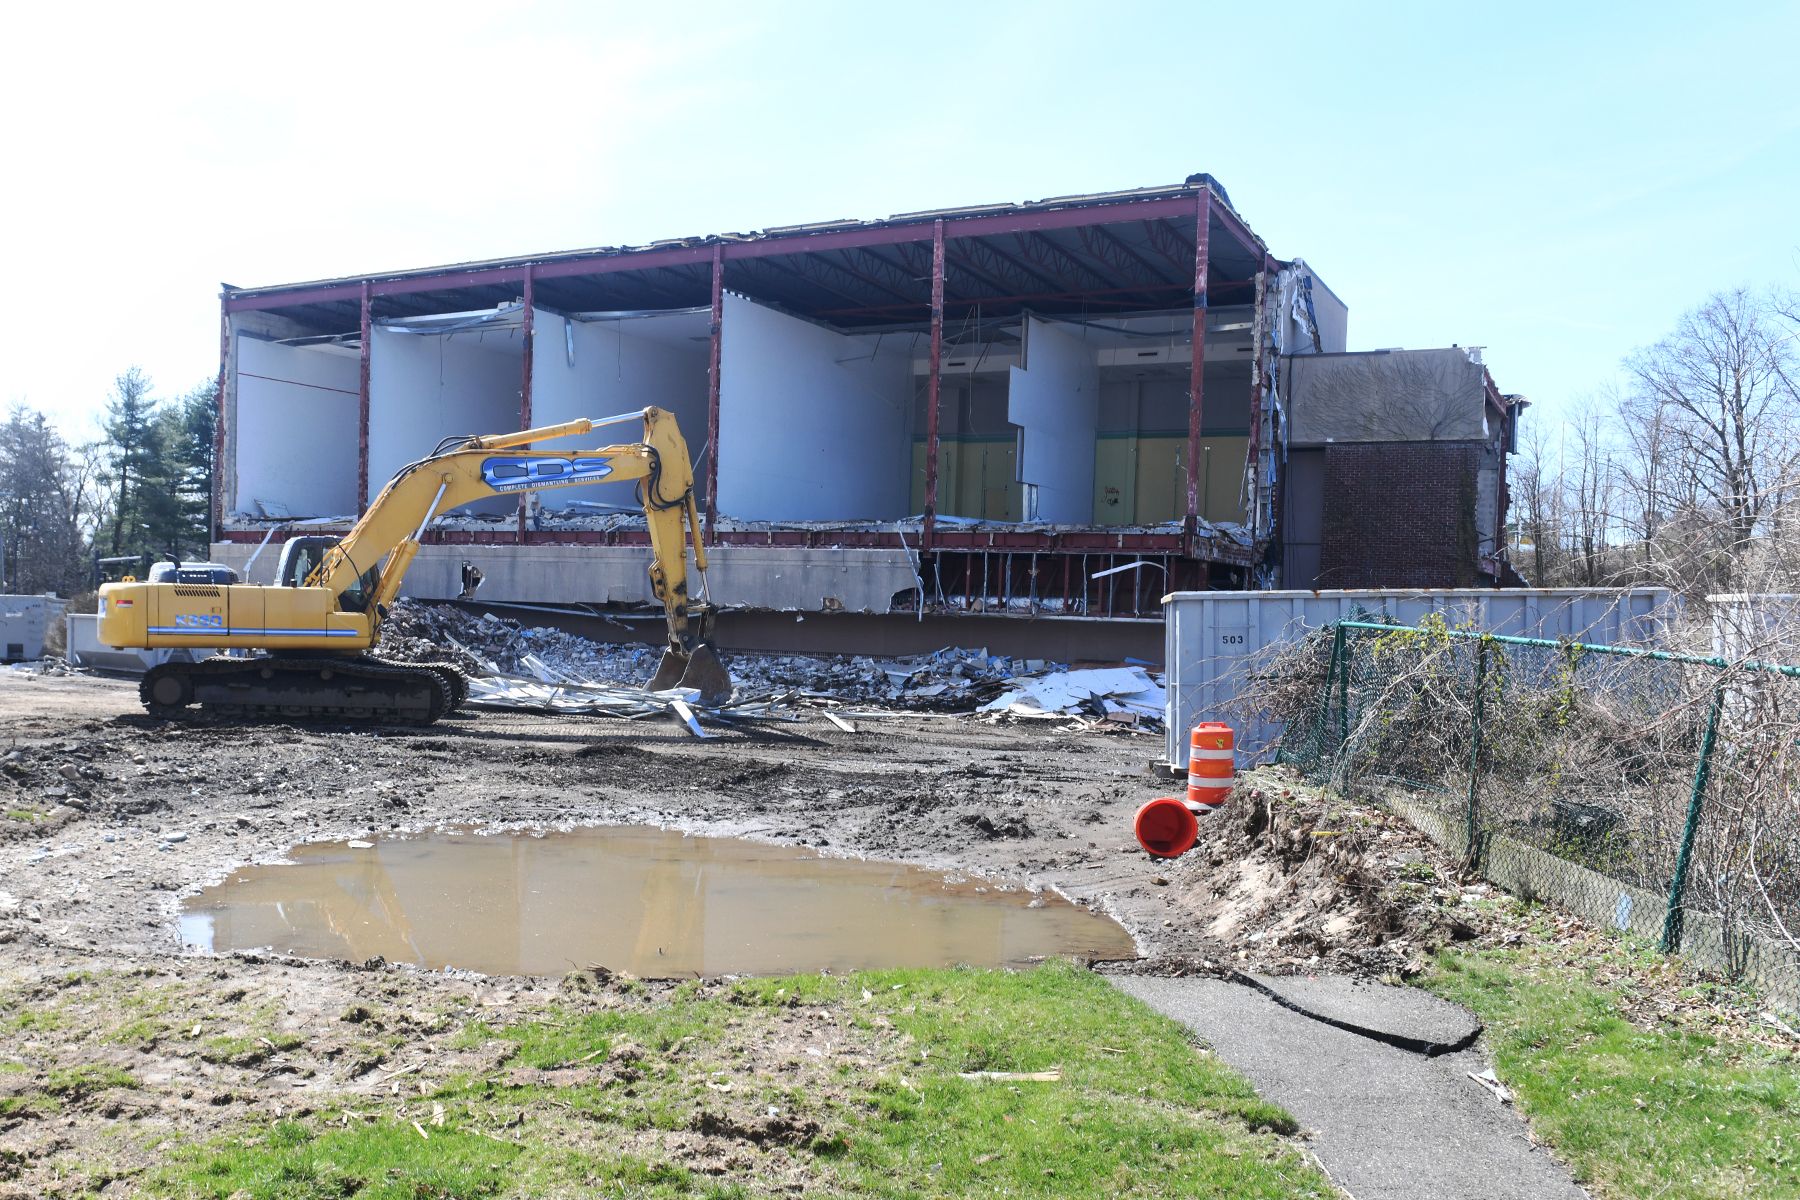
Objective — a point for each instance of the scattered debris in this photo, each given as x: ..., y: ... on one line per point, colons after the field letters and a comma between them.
x: 1127, y: 690
x: 1491, y: 1082
x: 515, y: 666
x: 1778, y: 1023
x: 50, y: 665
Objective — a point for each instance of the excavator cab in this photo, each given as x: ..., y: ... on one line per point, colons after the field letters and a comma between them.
x: 299, y: 556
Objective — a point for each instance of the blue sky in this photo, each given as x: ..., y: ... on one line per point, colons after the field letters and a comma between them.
x: 1556, y: 182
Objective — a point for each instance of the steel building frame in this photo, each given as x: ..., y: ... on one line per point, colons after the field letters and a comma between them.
x: 1106, y: 255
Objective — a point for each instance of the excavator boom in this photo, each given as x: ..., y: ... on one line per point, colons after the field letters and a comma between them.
x: 316, y: 629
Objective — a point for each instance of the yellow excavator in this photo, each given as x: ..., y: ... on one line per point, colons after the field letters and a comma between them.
x: 309, y: 632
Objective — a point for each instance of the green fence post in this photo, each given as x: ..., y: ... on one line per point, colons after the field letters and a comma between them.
x: 1342, y: 650
x: 1473, y: 857
x: 1675, y: 918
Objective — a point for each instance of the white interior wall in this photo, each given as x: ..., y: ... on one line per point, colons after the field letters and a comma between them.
x: 620, y: 366
x: 813, y: 425
x: 297, y: 410
x: 1056, y: 401
x: 425, y: 387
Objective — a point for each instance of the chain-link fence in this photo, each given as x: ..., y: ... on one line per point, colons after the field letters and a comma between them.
x: 1655, y: 792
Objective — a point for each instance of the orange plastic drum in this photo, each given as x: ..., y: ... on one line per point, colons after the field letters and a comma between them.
x: 1211, y: 765
x: 1165, y: 827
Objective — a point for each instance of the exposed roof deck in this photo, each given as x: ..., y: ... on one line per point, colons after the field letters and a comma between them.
x: 1105, y: 254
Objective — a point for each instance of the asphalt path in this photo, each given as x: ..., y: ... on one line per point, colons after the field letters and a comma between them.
x: 1386, y: 1123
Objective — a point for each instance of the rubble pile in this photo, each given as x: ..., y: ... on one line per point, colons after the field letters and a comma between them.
x: 489, y: 644
x: 951, y: 680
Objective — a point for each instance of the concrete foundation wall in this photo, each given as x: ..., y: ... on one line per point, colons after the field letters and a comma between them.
x: 1058, y: 639
x: 774, y: 577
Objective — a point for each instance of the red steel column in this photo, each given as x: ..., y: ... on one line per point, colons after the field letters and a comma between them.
x: 1197, y: 372
x: 712, y: 396
x: 527, y: 334
x: 933, y: 384
x: 218, y: 463
x: 362, y: 410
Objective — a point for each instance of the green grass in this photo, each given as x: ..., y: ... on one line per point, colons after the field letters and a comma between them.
x: 1671, y: 1112
x: 246, y: 1050
x: 886, y: 1116
x: 74, y: 1083
x: 41, y: 1019
x: 296, y: 1159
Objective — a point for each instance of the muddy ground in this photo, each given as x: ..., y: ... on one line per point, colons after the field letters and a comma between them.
x: 112, y: 819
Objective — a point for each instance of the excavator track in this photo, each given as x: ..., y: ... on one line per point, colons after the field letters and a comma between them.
x: 335, y: 689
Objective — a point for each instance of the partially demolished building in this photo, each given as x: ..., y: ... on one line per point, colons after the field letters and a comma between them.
x: 1060, y: 408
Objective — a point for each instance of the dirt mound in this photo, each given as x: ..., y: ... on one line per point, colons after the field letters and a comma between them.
x: 1284, y: 881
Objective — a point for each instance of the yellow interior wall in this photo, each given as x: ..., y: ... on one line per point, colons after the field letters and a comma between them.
x: 975, y: 479
x: 1159, y: 492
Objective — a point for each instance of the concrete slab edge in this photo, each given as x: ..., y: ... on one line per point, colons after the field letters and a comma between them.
x: 1396, y: 1040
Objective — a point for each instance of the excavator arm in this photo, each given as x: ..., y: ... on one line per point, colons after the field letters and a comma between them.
x: 477, y: 467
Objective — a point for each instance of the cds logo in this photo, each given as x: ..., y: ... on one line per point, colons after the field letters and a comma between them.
x: 517, y: 474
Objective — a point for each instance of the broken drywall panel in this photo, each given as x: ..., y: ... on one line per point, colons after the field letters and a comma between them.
x: 1055, y: 400
x: 813, y: 425
x: 424, y: 387
x: 297, y: 414
x: 1386, y: 396
x: 1310, y: 317
x: 596, y: 368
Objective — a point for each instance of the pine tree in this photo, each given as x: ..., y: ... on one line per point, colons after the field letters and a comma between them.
x: 184, y: 444
x: 159, y: 470
x: 132, y: 460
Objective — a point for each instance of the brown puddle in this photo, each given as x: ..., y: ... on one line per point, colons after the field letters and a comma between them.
x: 648, y: 901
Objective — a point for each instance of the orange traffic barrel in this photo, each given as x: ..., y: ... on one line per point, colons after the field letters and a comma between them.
x: 1165, y: 827
x: 1211, y: 764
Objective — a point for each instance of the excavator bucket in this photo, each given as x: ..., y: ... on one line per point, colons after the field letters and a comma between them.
x: 703, y: 671
x: 669, y: 671
x: 706, y: 672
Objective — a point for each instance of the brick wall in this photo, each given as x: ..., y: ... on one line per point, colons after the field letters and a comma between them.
x: 1400, y: 515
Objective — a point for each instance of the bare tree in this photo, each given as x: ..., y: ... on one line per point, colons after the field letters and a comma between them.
x: 1532, y: 485
x: 1720, y: 394
x: 1644, y: 475
x: 1589, y: 488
